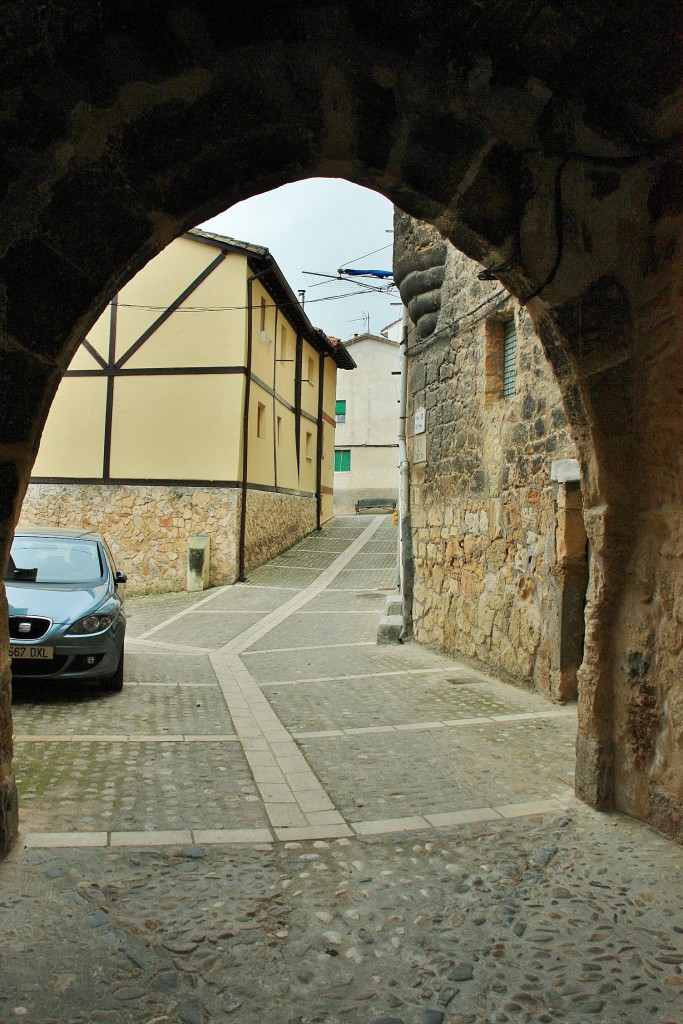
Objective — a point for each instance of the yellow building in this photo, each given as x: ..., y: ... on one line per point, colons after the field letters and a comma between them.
x: 182, y: 415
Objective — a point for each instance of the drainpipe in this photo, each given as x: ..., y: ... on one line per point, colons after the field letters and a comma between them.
x: 245, y: 425
x: 274, y: 403
x: 405, y: 533
x: 297, y: 399
x: 319, y: 452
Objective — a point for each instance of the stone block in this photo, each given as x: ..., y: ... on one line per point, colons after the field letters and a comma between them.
x: 571, y: 539
x: 485, y: 616
x: 495, y: 555
x: 389, y: 629
x: 198, y: 552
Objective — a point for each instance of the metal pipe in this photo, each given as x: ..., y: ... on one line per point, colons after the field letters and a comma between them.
x: 274, y: 402
x: 245, y: 425
x: 404, y: 525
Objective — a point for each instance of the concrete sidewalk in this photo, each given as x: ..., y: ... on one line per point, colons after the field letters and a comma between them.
x: 393, y: 834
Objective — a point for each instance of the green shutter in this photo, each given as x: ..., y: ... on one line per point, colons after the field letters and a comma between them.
x: 509, y: 359
x: 342, y: 460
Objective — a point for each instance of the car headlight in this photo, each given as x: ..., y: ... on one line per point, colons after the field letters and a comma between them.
x: 91, y: 624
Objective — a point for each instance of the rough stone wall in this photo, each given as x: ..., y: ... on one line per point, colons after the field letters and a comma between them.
x: 147, y: 527
x: 483, y: 507
x: 274, y: 523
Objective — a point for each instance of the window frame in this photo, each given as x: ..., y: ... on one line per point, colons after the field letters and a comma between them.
x: 339, y: 460
x: 260, y: 420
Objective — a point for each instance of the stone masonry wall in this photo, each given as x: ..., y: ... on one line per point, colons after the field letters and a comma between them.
x: 275, y: 521
x: 147, y: 527
x: 489, y: 561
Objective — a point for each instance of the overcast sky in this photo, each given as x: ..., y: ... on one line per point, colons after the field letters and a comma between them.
x: 322, y: 224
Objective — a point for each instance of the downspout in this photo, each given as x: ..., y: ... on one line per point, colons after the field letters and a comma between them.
x: 297, y: 399
x: 275, y: 402
x: 405, y: 533
x: 319, y: 467
x: 245, y: 425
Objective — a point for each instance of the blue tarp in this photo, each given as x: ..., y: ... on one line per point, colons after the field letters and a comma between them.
x: 384, y: 274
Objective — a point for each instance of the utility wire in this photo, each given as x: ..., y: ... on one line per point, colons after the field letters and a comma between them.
x: 502, y: 295
x: 220, y: 309
x: 347, y: 263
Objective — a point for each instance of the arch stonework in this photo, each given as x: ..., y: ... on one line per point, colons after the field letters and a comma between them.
x: 540, y: 138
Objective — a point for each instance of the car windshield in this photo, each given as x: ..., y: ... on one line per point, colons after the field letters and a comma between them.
x: 54, y: 560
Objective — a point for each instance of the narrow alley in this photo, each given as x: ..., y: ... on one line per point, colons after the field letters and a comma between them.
x: 279, y: 820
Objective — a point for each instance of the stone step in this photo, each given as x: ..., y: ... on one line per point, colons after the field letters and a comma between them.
x: 389, y: 629
x: 394, y: 605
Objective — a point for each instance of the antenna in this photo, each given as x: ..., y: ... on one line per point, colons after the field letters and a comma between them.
x: 364, y: 319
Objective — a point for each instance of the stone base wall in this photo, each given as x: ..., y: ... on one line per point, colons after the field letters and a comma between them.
x: 275, y: 522
x: 147, y: 527
x: 484, y: 585
x: 345, y: 500
x: 497, y: 566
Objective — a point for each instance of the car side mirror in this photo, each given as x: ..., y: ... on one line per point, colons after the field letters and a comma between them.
x: 120, y: 577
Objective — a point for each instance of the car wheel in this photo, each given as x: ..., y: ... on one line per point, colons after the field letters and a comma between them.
x: 114, y: 682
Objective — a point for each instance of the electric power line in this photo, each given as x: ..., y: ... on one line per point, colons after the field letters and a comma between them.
x: 373, y: 253
x: 220, y: 309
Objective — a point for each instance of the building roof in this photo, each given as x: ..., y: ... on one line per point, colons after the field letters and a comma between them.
x: 260, y: 259
x: 371, y: 337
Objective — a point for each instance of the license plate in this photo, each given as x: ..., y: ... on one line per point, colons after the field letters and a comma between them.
x: 31, y: 653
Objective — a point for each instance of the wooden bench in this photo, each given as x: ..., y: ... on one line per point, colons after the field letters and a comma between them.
x: 372, y: 504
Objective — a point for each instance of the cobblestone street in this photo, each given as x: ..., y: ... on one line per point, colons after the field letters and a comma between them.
x: 278, y: 820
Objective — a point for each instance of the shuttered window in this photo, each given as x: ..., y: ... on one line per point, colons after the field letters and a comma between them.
x: 340, y: 410
x: 509, y: 359
x: 342, y: 460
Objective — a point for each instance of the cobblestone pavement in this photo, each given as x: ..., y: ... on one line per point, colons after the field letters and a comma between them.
x: 279, y: 821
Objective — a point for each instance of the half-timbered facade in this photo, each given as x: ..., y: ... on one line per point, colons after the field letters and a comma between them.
x: 181, y: 414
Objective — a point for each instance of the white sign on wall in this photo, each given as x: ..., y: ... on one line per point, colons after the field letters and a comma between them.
x: 420, y: 420
x: 420, y: 448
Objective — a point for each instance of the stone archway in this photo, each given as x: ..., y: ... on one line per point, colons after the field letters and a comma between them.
x: 539, y: 138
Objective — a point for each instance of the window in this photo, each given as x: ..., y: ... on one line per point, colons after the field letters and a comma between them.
x: 309, y: 446
x: 263, y: 315
x: 283, y: 343
x: 501, y: 358
x: 311, y: 370
x: 340, y: 410
x: 509, y: 359
x: 342, y: 460
x: 261, y: 420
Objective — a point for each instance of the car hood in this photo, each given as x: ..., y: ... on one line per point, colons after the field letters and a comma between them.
x: 61, y: 602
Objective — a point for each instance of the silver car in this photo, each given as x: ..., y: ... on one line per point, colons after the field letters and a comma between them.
x: 66, y: 607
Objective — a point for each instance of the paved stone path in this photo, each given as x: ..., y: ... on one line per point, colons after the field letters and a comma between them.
x: 277, y: 820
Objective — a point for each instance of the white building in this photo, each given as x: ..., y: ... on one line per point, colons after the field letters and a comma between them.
x: 366, y: 446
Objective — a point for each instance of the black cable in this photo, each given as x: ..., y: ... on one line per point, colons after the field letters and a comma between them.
x: 220, y: 309
x: 502, y: 295
x: 558, y: 211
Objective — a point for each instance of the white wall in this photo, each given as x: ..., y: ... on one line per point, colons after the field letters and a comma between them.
x: 370, y: 431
